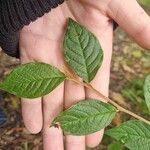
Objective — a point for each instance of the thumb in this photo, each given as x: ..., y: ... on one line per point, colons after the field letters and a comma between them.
x: 133, y: 19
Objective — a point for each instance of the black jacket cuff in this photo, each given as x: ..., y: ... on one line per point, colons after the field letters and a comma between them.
x: 14, y: 14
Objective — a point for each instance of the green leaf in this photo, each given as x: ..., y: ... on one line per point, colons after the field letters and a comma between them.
x: 144, y: 2
x: 86, y: 117
x: 32, y: 80
x: 135, y: 135
x: 82, y: 51
x: 147, y: 91
x: 114, y: 146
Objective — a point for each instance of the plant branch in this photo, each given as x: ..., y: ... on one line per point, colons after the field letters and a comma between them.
x: 120, y: 108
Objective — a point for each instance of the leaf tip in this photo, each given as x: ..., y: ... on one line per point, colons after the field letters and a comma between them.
x: 70, y: 20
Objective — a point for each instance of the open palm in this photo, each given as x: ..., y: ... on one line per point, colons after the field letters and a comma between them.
x: 42, y: 41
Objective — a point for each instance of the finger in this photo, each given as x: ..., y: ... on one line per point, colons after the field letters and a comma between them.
x: 73, y: 93
x: 133, y: 19
x: 101, y: 80
x: 94, y: 139
x: 36, y: 48
x: 32, y: 114
x: 101, y: 83
x: 32, y: 110
x: 52, y: 106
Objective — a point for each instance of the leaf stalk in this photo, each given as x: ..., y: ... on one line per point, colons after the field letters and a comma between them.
x: 120, y: 108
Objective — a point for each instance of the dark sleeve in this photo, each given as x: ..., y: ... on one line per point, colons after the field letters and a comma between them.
x: 14, y: 14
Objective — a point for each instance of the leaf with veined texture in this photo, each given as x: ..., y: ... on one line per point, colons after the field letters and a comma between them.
x: 147, y: 91
x: 82, y: 51
x: 32, y: 80
x: 85, y: 117
x: 135, y: 135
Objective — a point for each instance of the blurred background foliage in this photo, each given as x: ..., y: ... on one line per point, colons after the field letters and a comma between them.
x: 145, y: 2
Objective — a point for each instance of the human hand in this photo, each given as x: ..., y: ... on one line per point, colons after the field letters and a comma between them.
x: 42, y: 40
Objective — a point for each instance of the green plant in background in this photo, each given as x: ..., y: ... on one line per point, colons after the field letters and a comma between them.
x: 84, y: 56
x: 147, y: 91
x: 133, y: 91
x: 145, y: 2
